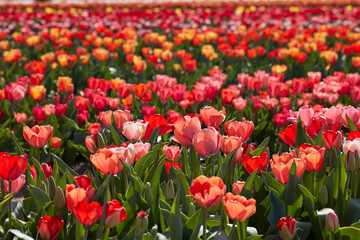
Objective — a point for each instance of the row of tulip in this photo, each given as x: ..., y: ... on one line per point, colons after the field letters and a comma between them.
x: 194, y: 123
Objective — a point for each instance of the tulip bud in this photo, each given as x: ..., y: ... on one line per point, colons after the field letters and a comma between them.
x: 350, y: 162
x: 142, y: 221
x: 59, y: 199
x: 55, y: 142
x: 191, y: 210
x: 90, y: 143
x: 100, y: 141
x: 52, y: 186
x: 323, y: 195
x: 332, y: 222
x: 43, y: 186
x: 149, y: 196
x: 115, y: 213
x: 357, y: 160
x: 287, y: 228
x: 169, y: 191
x: 237, y: 187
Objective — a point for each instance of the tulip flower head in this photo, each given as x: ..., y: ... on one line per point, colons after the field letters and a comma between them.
x: 50, y: 227
x: 287, y: 228
x: 238, y: 207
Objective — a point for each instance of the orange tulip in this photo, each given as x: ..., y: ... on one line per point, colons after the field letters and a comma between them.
x: 207, y: 142
x: 37, y: 92
x: 238, y: 207
x: 281, y: 166
x: 120, y: 118
x: 108, y: 160
x: 237, y: 187
x: 239, y: 129
x: 75, y: 195
x: 314, y: 156
x: 207, y: 192
x: 212, y: 117
x: 37, y: 136
x: 229, y: 144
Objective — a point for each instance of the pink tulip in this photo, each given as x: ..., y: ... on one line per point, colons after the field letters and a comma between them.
x: 207, y: 142
x: 185, y: 129
x: 212, y: 117
x: 239, y: 129
x: 134, y: 130
x: 172, y: 153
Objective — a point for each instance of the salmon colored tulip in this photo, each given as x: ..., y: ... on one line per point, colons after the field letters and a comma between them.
x: 50, y: 227
x: 237, y: 187
x: 313, y: 155
x: 37, y: 136
x: 75, y: 195
x: 11, y: 167
x: 332, y: 139
x: 253, y: 163
x: 229, y: 144
x: 141, y: 149
x: 281, y: 166
x: 55, y: 142
x: 134, y: 130
x: 239, y: 129
x: 115, y: 213
x: 207, y: 192
x: 16, y: 184
x: 171, y: 152
x: 212, y: 117
x: 108, y: 160
x: 120, y: 118
x: 207, y: 142
x: 238, y: 207
x: 185, y: 129
x: 20, y: 117
x: 88, y: 213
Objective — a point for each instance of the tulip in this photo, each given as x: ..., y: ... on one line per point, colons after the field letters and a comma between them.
x: 239, y: 103
x: 333, y: 115
x: 108, y: 160
x: 82, y: 181
x: 353, y: 135
x: 169, y: 191
x: 229, y: 144
x: 171, y: 152
x: 59, y: 199
x: 149, y: 196
x: 185, y: 129
x: 120, y: 118
x: 287, y: 228
x: 115, y: 214
x: 88, y: 213
x: 16, y: 184
x: 37, y: 92
x: 332, y: 139
x: 306, y: 115
x: 47, y: 169
x: 207, y: 142
x: 207, y: 192
x: 239, y: 129
x: 141, y: 221
x: 55, y: 142
x: 212, y: 117
x: 174, y: 165
x: 257, y: 162
x: 39, y: 114
x: 237, y: 187
x: 314, y: 157
x: 332, y: 222
x: 134, y: 130
x: 49, y: 109
x: 11, y: 167
x: 75, y: 195
x: 20, y: 117
x: 238, y: 207
x: 281, y: 166
x: 37, y: 136
x: 288, y: 135
x: 141, y: 149
x: 91, y: 143
x: 50, y: 227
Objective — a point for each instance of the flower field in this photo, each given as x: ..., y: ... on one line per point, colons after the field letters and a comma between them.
x: 191, y: 121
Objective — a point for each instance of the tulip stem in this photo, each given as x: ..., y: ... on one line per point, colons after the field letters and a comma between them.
x: 213, y: 165
x: 10, y: 218
x: 86, y: 232
x: 232, y: 230
x: 356, y: 182
x: 38, y: 154
x: 205, y: 223
x: 2, y: 189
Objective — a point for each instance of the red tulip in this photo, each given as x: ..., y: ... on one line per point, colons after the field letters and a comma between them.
x: 11, y: 167
x: 353, y: 135
x: 75, y: 195
x: 88, y: 213
x: 50, y: 227
x: 253, y: 163
x: 82, y: 181
x: 115, y: 214
x: 47, y: 169
x: 332, y: 139
x: 55, y: 142
x: 288, y: 135
x: 174, y: 165
x: 287, y: 228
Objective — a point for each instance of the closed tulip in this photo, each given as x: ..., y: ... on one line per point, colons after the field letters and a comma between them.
x: 212, y: 117
x: 207, y: 192
x: 141, y: 149
x: 229, y: 144
x: 287, y: 228
x: 37, y: 136
x: 11, y: 167
x: 115, y: 214
x: 134, y: 130
x: 207, y: 142
x: 50, y: 227
x: 288, y: 135
x: 16, y: 184
x: 239, y: 129
x: 238, y: 207
x: 37, y: 92
x: 332, y: 139
x: 88, y: 213
x: 120, y: 118
x: 313, y: 155
x: 237, y: 187
x: 171, y: 152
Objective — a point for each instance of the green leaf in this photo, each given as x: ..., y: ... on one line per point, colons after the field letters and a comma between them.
x: 175, y: 219
x: 39, y: 196
x: 276, y: 187
x: 260, y: 148
x: 347, y: 233
x: 18, y: 234
x: 63, y: 166
x: 300, y: 136
x: 353, y: 211
x: 153, y: 136
x: 246, y: 191
x: 114, y: 135
x: 350, y: 123
x: 309, y: 199
x: 7, y: 198
x: 100, y: 191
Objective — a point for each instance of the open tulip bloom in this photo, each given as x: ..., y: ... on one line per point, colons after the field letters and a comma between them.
x: 177, y: 120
